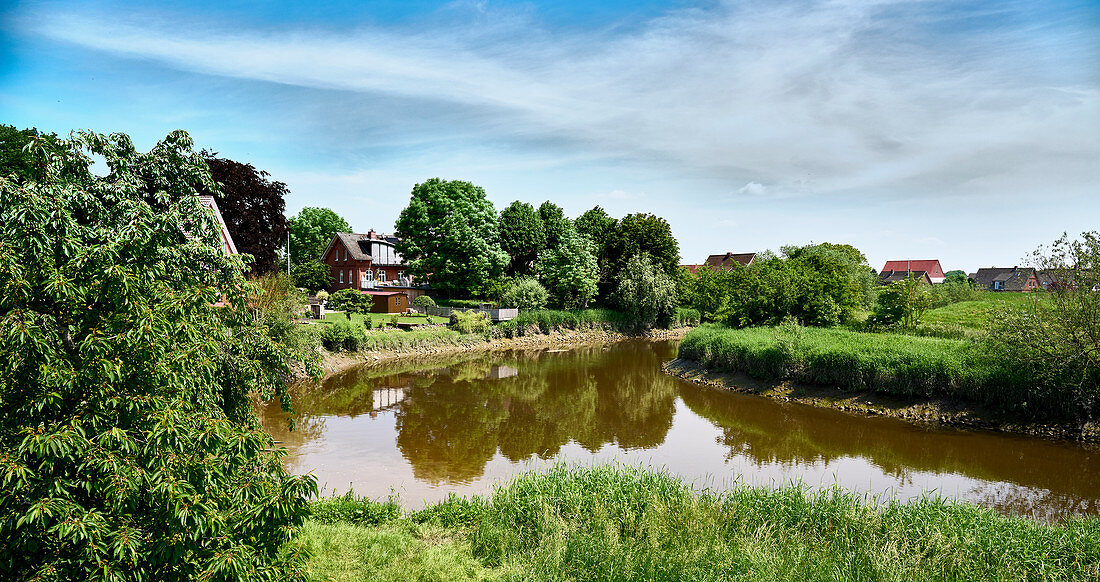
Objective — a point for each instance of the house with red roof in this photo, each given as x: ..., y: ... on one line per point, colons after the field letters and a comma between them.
x: 931, y: 267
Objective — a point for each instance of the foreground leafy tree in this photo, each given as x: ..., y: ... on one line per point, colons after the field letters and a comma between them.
x: 901, y: 303
x: 128, y: 445
x: 252, y: 206
x: 311, y: 231
x: 449, y: 235
x: 18, y: 161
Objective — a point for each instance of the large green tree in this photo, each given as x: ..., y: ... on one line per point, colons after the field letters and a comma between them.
x: 449, y: 235
x: 312, y: 230
x: 569, y: 271
x: 252, y: 206
x: 646, y: 234
x: 602, y: 230
x: 554, y: 223
x: 522, y: 236
x: 129, y: 449
x: 646, y: 293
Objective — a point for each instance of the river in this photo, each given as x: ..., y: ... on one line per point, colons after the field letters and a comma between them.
x: 464, y: 424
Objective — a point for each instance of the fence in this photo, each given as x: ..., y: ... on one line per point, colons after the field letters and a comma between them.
x: 494, y: 314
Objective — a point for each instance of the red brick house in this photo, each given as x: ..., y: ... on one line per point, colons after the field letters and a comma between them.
x: 930, y: 266
x: 364, y: 261
x: 370, y: 262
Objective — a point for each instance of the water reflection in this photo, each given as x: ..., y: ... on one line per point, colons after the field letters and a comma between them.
x: 464, y: 423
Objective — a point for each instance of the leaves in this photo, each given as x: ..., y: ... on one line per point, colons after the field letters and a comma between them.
x: 128, y: 445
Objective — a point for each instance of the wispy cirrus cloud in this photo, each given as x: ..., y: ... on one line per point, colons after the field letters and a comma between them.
x: 822, y: 97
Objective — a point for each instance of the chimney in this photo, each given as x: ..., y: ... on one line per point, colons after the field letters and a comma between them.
x: 371, y: 234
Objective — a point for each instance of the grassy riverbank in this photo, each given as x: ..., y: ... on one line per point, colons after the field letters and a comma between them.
x: 885, y: 363
x: 342, y: 334
x: 629, y: 524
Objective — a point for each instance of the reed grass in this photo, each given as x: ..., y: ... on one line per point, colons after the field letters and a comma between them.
x: 613, y: 523
x: 904, y: 365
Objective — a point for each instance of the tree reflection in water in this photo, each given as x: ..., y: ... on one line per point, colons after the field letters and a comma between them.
x: 449, y: 428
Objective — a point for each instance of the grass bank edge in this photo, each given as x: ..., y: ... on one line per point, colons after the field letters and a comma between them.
x: 895, y: 364
x: 628, y: 523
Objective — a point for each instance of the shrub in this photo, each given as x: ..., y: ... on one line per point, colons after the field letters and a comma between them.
x: 470, y: 322
x: 322, y: 295
x: 526, y: 293
x: 901, y: 303
x: 646, y: 293
x: 685, y: 317
x: 423, y: 301
x: 350, y: 301
x: 342, y: 336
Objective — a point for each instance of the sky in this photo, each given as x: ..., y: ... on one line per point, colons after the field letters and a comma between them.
x: 912, y: 129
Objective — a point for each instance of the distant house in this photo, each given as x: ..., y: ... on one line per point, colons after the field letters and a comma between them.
x: 930, y: 266
x: 693, y: 269
x: 727, y: 261
x: 1006, y: 279
x: 369, y: 262
x: 887, y: 277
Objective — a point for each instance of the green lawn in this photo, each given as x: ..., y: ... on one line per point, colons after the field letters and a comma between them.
x: 386, y: 317
x: 975, y: 314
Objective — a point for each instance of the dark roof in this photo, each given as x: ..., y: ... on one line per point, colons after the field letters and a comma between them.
x: 727, y: 260
x: 358, y: 245
x: 1013, y: 278
x: 929, y: 265
x: 887, y: 277
x: 382, y: 293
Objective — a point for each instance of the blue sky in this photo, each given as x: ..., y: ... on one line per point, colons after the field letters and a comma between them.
x: 964, y: 131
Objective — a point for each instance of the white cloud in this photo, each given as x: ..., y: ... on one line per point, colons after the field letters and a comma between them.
x: 752, y: 189
x: 809, y: 97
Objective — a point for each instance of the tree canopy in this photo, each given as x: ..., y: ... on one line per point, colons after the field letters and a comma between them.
x: 312, y: 230
x: 252, y: 207
x: 129, y: 448
x: 569, y: 271
x: 449, y: 235
x: 646, y: 234
x: 522, y: 236
x: 554, y: 223
x: 22, y: 152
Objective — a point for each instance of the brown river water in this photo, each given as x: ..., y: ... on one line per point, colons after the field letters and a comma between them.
x: 462, y: 425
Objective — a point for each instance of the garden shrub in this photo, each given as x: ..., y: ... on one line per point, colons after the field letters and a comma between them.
x: 342, y: 336
x: 350, y: 301
x: 526, y: 293
x: 470, y: 322
x: 423, y: 301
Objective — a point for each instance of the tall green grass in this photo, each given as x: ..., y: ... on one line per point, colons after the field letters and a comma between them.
x: 882, y: 362
x: 347, y: 336
x: 630, y: 524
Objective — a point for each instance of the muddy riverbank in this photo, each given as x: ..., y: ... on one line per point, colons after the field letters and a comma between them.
x: 931, y: 412
x: 334, y: 362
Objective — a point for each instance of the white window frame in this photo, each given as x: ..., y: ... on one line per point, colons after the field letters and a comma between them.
x: 341, y: 275
x: 381, y: 275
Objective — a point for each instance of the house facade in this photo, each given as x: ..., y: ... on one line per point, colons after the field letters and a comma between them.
x: 364, y: 261
x: 930, y: 266
x: 1023, y: 279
